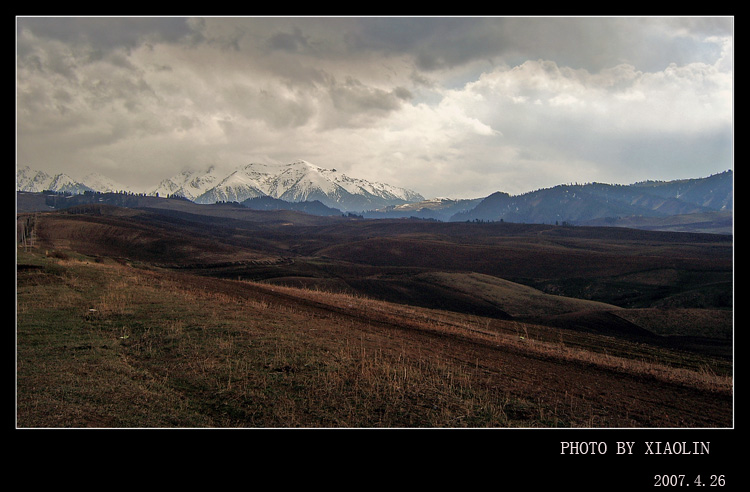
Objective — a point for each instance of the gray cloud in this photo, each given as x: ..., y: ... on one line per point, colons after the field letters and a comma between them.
x: 447, y: 106
x: 293, y: 42
x: 354, y: 103
x: 107, y: 33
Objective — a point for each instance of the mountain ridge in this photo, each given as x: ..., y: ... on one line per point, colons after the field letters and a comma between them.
x: 298, y: 181
x: 636, y: 205
x: 582, y: 203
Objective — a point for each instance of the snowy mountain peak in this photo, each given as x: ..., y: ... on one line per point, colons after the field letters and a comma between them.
x: 98, y: 182
x: 189, y: 184
x: 30, y: 180
x: 303, y: 181
x: 37, y: 181
x: 296, y: 181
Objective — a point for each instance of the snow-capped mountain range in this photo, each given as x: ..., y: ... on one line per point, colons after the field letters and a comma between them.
x: 37, y: 181
x: 301, y: 181
x: 705, y: 203
x: 294, y: 182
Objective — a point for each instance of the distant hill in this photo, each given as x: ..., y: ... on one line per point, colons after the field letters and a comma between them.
x: 721, y: 222
x: 609, y: 204
x: 437, y: 209
x: 314, y: 207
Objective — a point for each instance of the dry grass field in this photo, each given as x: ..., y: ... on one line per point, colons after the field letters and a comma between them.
x: 138, y: 319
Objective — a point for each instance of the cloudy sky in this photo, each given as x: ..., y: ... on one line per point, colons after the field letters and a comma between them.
x: 446, y: 106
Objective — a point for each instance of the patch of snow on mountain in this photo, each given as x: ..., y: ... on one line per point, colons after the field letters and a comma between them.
x: 37, y: 181
x: 103, y: 184
x: 238, y: 186
x: 189, y: 184
x: 30, y: 180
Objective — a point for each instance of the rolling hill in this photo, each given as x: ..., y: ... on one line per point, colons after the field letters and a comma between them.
x: 167, y: 313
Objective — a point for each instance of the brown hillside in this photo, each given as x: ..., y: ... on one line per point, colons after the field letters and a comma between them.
x: 134, y: 318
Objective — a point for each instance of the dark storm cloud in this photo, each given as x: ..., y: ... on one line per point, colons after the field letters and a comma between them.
x: 292, y: 42
x: 353, y: 96
x: 590, y: 42
x: 107, y: 32
x: 434, y: 42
